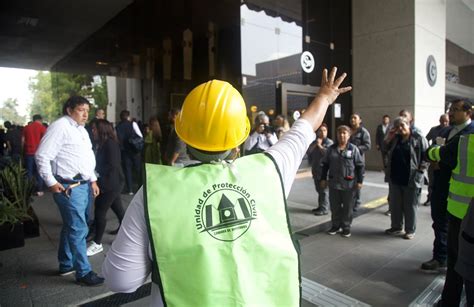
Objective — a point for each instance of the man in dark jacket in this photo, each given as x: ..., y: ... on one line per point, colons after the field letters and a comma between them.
x: 360, y: 137
x: 459, y: 117
x: 130, y: 156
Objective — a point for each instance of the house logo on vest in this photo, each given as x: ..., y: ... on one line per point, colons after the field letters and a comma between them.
x: 225, y: 211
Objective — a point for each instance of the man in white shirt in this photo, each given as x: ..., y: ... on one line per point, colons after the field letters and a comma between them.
x: 66, y: 163
x: 129, y: 261
x: 262, y: 138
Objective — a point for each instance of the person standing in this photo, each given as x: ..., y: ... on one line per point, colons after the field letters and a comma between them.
x: 380, y: 134
x: 262, y: 138
x: 31, y: 138
x: 190, y: 260
x: 360, y: 137
x: 460, y: 123
x: 13, y: 140
x: 153, y: 138
x: 176, y: 152
x: 316, y: 152
x: 111, y: 180
x: 465, y: 264
x: 66, y: 163
x: 457, y: 156
x: 343, y: 167
x: 431, y: 137
x: 131, y: 157
x: 405, y: 174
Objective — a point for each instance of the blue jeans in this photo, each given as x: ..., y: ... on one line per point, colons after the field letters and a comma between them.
x: 32, y: 171
x: 72, y: 251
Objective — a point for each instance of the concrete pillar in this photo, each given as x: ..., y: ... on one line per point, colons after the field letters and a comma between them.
x: 392, y: 41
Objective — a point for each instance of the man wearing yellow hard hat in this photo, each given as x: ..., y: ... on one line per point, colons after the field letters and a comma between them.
x: 217, y: 233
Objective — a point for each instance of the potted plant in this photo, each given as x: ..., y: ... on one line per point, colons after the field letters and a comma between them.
x: 11, y: 224
x: 18, y: 189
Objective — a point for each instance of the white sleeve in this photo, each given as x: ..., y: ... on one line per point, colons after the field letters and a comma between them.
x: 290, y: 150
x: 48, y: 149
x: 137, y: 129
x: 128, y: 264
x: 272, y: 139
x: 251, y: 141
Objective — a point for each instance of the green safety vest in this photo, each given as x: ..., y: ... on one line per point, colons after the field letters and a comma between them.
x: 461, y: 185
x: 220, y: 234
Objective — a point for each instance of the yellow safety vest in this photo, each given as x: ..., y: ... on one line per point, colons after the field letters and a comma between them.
x: 220, y: 234
x: 461, y: 185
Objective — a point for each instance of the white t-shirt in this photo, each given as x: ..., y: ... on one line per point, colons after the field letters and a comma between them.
x: 128, y: 262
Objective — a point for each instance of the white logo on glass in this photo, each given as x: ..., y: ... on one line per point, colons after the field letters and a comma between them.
x: 307, y: 61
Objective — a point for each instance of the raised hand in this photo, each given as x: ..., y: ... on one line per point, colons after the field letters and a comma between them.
x: 330, y: 86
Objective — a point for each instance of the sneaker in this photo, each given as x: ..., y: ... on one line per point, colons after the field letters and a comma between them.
x: 409, y: 236
x: 67, y: 272
x: 130, y: 193
x: 39, y: 193
x: 393, y: 231
x: 94, y: 248
x: 333, y: 230
x: 90, y: 279
x: 388, y: 213
x: 346, y: 233
x: 433, y: 265
x: 320, y: 212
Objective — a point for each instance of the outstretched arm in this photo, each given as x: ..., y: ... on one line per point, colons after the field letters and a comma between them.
x: 327, y: 94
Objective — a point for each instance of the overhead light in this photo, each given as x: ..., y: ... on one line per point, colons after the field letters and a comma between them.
x: 102, y: 63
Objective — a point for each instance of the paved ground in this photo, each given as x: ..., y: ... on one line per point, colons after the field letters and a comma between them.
x: 369, y: 267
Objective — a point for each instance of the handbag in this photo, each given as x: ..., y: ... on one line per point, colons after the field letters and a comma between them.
x: 137, y: 143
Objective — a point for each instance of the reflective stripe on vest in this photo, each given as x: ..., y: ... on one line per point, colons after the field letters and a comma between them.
x: 220, y: 234
x: 461, y: 188
x: 433, y: 154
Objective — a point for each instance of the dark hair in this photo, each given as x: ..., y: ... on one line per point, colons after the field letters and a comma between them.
x: 386, y: 116
x: 37, y: 117
x: 7, y: 124
x: 174, y: 111
x: 356, y: 113
x: 466, y: 104
x: 124, y: 115
x: 105, y: 130
x: 73, y: 102
x: 323, y: 125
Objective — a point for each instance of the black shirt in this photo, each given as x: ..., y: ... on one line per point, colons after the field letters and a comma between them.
x: 400, y: 172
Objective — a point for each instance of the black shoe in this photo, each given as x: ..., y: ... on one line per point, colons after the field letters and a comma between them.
x: 426, y: 203
x: 320, y: 212
x: 393, y: 231
x: 355, y: 209
x: 433, y: 266
x: 333, y: 230
x: 90, y: 279
x: 346, y: 233
x: 67, y: 272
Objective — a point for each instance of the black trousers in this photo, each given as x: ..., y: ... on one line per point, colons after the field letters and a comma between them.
x: 454, y: 282
x: 102, y: 204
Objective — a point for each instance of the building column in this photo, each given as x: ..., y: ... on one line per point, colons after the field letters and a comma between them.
x: 392, y: 41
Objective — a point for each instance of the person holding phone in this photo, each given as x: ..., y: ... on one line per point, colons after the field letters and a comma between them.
x: 405, y: 174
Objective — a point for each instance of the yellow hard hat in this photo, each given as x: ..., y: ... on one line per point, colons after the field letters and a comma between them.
x: 213, y: 117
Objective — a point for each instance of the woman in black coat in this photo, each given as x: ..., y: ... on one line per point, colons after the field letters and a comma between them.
x: 110, y: 180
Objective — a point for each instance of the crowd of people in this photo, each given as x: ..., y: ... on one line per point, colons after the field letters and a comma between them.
x: 87, y: 165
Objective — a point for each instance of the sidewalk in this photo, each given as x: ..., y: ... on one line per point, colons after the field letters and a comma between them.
x: 369, y: 267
